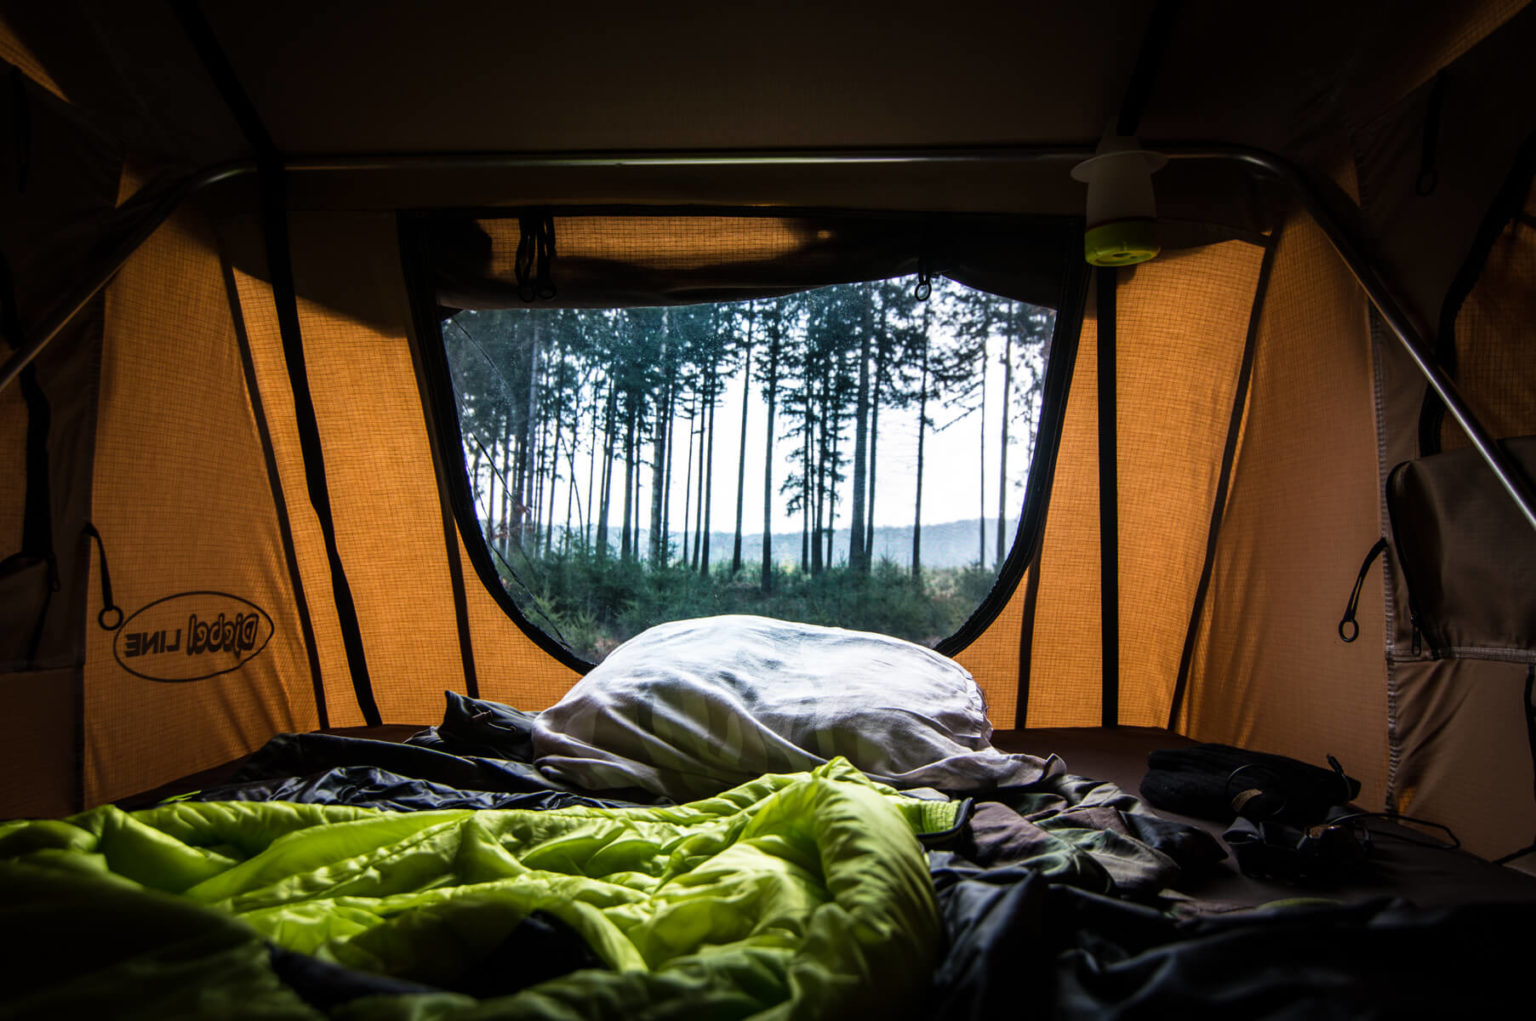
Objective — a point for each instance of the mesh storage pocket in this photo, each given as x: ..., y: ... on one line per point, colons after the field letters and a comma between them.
x: 1468, y: 555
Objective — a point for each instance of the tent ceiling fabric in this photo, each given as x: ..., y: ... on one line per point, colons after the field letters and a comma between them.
x: 481, y: 76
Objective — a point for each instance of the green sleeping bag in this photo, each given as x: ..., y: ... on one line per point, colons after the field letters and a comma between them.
x: 803, y: 895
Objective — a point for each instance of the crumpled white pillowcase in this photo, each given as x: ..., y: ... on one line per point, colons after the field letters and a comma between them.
x: 693, y: 707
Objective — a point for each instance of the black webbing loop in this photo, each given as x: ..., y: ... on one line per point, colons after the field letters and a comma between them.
x: 1349, y: 628
x: 1429, y: 177
x: 923, y: 289
x: 535, y: 257
x: 108, y: 607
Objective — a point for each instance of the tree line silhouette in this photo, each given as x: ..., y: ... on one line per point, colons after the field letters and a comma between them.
x: 579, y: 423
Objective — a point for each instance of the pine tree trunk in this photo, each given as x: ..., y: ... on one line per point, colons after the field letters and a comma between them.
x: 981, y: 519
x: 610, y: 415
x: 474, y: 477
x: 626, y: 548
x: 1002, y: 457
x: 554, y: 461
x: 818, y: 519
x: 658, y: 478
x: 698, y: 510
x: 856, y: 529
x: 684, y: 550
x: 570, y: 489
x: 741, y: 460
x: 504, y: 534
x: 773, y: 382
x: 805, y: 488
x: 588, y: 514
x: 525, y: 466
x: 922, y: 428
x: 666, y: 482
x: 874, y: 438
x: 708, y: 477
x: 832, y: 462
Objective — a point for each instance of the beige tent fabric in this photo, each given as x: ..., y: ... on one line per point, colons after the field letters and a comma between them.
x: 1180, y: 331
x: 378, y: 463
x: 181, y: 498
x: 993, y: 659
x: 1065, y: 658
x: 384, y: 491
x: 1461, y: 747
x: 1181, y: 328
x: 259, y: 316
x: 510, y: 667
x: 1494, y: 369
x: 1463, y: 744
x: 1269, y: 670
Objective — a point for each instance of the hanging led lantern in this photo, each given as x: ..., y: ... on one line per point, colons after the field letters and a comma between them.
x: 1122, y: 213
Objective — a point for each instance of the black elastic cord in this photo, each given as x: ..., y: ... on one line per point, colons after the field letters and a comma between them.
x: 109, y: 609
x: 274, y: 223
x: 427, y: 325
x: 279, y: 497
x: 1107, y: 279
x: 1451, y: 842
x: 1349, y: 628
x: 534, y: 263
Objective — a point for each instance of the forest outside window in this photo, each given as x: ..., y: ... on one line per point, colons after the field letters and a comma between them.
x: 850, y: 455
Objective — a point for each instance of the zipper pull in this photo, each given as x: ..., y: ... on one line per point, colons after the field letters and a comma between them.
x: 1349, y: 628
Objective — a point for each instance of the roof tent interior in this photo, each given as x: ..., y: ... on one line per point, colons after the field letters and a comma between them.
x: 230, y: 231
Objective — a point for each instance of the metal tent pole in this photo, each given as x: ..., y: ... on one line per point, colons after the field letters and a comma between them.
x: 1350, y: 250
x: 106, y: 267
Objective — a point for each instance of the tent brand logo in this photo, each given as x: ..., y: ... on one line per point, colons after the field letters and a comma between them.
x: 191, y: 637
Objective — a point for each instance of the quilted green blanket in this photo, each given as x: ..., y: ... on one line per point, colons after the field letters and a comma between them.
x: 803, y: 895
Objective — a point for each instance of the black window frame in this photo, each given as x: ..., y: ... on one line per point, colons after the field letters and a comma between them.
x: 446, y: 438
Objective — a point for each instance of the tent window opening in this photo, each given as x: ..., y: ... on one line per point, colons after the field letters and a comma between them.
x: 850, y: 455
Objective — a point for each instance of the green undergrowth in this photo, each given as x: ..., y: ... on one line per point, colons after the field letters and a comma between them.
x: 592, y: 603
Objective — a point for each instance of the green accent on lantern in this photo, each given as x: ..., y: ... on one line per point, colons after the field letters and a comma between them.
x: 1121, y: 243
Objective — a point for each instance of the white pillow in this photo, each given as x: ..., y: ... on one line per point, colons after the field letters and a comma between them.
x: 694, y: 707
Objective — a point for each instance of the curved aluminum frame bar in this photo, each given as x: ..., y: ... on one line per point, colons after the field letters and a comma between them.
x: 1349, y: 248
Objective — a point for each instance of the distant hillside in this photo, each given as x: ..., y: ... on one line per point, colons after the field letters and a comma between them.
x: 947, y: 544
